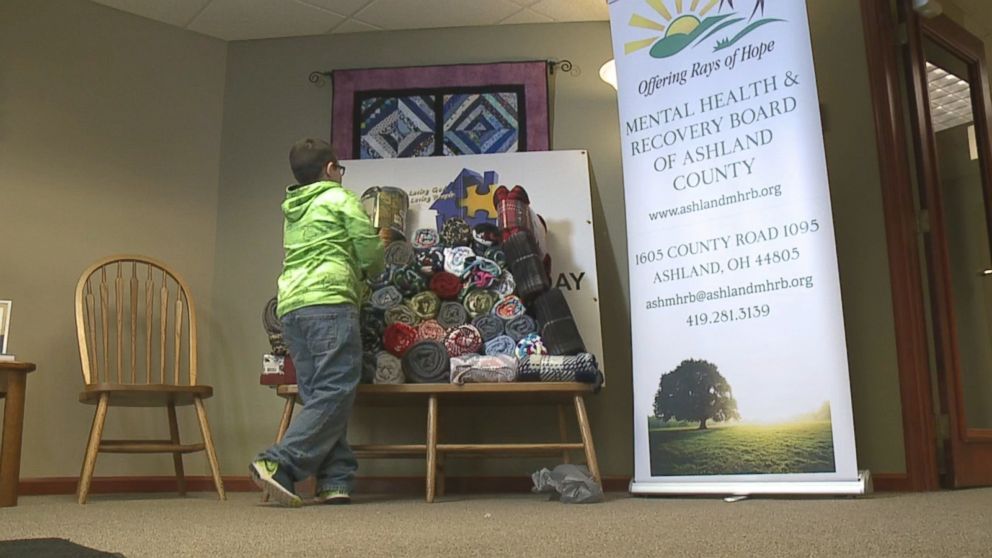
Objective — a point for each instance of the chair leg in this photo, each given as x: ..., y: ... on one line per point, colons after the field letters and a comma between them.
x: 92, y: 448
x: 563, y: 433
x: 208, y: 441
x: 590, y: 449
x: 431, y: 447
x: 177, y: 457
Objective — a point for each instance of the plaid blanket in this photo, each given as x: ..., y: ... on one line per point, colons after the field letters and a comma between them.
x: 548, y: 368
x: 557, y: 326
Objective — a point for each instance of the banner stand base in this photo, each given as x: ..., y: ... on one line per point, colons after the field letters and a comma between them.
x: 859, y: 487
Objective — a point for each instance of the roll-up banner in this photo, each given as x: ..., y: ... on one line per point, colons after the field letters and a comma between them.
x: 740, y: 363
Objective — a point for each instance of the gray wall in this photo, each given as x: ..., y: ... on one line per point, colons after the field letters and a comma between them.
x: 109, y: 143
x: 122, y: 135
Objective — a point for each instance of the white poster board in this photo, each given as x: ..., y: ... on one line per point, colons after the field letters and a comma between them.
x: 557, y: 183
x: 740, y: 362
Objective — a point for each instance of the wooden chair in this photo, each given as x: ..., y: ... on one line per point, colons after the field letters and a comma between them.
x: 136, y: 325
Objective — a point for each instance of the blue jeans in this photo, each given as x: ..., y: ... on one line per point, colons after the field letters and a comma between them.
x: 326, y: 345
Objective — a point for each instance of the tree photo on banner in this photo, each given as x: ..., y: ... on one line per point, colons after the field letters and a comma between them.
x: 732, y: 258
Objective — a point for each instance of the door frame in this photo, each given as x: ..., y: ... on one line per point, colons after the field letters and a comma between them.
x: 969, y: 451
x: 886, y: 77
x: 883, y: 32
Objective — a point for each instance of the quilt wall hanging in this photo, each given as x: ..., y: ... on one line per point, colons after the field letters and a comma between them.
x: 426, y: 111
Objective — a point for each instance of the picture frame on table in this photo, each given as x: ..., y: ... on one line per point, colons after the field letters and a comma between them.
x: 5, y: 306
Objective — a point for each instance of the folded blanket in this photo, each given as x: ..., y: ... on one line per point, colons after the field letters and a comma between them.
x: 489, y: 326
x: 557, y: 326
x: 425, y: 305
x: 429, y: 261
x: 521, y: 327
x: 398, y: 338
x: 456, y: 259
x: 399, y: 253
x: 388, y: 369
x: 483, y: 369
x: 446, y: 285
x: 530, y: 345
x: 463, y: 340
x: 426, y: 362
x: 526, y: 265
x: 452, y: 314
x: 409, y: 281
x: 430, y: 330
x: 502, y: 345
x: 456, y: 232
x: 547, y: 368
x: 385, y: 298
x: 480, y: 301
x: 425, y: 238
x: 509, y: 308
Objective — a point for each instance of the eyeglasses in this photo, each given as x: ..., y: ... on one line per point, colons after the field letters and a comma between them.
x: 340, y: 168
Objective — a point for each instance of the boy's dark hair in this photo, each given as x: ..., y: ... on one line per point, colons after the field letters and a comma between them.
x: 308, y: 157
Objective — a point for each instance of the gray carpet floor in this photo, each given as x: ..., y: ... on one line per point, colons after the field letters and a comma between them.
x: 936, y: 524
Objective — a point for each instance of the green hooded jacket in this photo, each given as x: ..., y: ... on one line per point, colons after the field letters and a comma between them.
x: 330, y: 246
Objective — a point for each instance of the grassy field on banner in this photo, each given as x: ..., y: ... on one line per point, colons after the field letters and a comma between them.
x: 739, y: 449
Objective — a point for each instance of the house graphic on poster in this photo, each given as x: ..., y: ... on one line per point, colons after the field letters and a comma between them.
x: 470, y: 197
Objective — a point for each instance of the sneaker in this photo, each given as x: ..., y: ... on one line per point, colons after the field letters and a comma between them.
x: 333, y: 497
x: 275, y: 482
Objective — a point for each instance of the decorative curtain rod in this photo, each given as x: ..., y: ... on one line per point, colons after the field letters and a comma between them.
x: 318, y: 77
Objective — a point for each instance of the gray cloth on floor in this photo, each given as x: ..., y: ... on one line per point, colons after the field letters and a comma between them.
x: 570, y: 484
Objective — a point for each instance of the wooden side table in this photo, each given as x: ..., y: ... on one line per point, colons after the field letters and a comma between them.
x: 15, y: 374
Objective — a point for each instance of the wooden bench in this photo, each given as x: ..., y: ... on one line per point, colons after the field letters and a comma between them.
x: 436, y: 452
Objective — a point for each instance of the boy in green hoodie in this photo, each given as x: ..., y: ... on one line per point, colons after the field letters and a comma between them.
x: 330, y: 246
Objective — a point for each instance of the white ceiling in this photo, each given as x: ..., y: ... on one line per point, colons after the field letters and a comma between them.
x: 234, y: 20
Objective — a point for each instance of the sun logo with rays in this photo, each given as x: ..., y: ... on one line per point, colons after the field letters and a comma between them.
x: 687, y: 23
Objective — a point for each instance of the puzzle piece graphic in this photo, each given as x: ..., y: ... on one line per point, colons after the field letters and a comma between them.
x: 470, y: 197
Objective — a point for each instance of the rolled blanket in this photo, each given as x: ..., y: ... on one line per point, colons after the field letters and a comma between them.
x: 530, y: 345
x: 452, y: 314
x: 273, y: 327
x: 430, y: 261
x: 409, y: 281
x: 486, y: 235
x: 387, y: 297
x: 489, y: 326
x: 480, y: 301
x: 557, y: 326
x: 426, y: 362
x: 456, y: 259
x: 463, y: 340
x: 526, y: 265
x: 430, y: 330
x: 399, y: 253
x: 388, y: 369
x: 372, y: 324
x: 496, y: 254
x: 383, y: 279
x: 369, y: 362
x: 425, y: 305
x: 425, y: 238
x: 402, y: 314
x: 509, y: 308
x: 521, y: 327
x: 456, y: 232
x: 547, y: 368
x: 506, y: 285
x: 446, y: 285
x: 482, y: 272
x: 398, y: 338
x: 502, y: 345
x: 483, y: 369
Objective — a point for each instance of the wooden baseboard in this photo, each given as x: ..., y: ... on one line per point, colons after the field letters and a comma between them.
x: 370, y: 485
x: 892, y: 482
